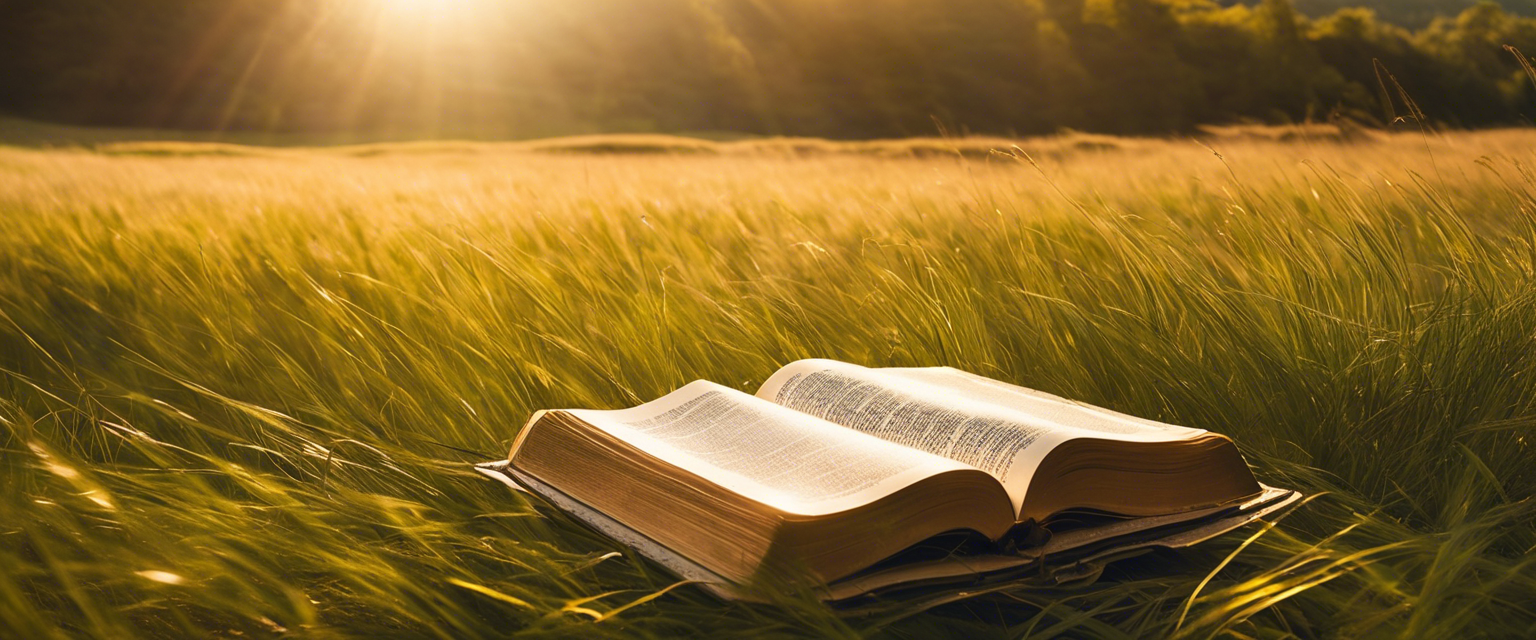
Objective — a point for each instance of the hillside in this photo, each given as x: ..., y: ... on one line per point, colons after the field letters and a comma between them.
x: 826, y: 68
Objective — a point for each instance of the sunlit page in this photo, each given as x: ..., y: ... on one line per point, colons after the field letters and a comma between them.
x: 766, y: 452
x: 998, y: 428
x: 1043, y: 405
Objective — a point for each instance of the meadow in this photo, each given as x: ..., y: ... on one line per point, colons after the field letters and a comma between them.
x: 241, y: 388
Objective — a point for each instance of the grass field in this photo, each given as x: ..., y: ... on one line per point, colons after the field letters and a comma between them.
x: 242, y: 387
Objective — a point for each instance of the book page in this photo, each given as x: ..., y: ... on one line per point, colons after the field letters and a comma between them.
x: 1001, y: 429
x: 776, y: 456
x: 1056, y: 409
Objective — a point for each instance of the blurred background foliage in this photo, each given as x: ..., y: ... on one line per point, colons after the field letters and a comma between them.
x: 831, y: 68
x: 1408, y: 13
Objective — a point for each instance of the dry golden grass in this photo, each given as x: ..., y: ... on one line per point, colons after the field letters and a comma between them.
x: 240, y: 387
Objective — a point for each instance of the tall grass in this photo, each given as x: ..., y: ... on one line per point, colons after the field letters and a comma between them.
x: 240, y: 395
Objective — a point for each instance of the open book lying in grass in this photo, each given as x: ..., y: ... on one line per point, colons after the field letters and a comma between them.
x: 868, y: 480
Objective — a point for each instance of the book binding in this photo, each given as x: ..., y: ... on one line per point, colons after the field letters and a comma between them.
x: 1076, y: 557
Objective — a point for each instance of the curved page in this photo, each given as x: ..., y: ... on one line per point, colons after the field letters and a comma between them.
x: 1055, y: 410
x: 776, y: 456
x: 999, y: 428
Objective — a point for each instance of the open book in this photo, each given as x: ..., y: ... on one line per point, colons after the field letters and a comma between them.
x: 838, y: 472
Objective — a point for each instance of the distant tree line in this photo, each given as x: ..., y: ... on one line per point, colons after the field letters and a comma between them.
x: 834, y: 68
x: 1407, y: 13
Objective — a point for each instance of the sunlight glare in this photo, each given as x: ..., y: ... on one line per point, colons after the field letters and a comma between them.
x: 430, y: 8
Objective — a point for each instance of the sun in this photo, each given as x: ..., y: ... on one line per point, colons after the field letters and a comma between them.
x: 407, y: 19
x: 427, y: 8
